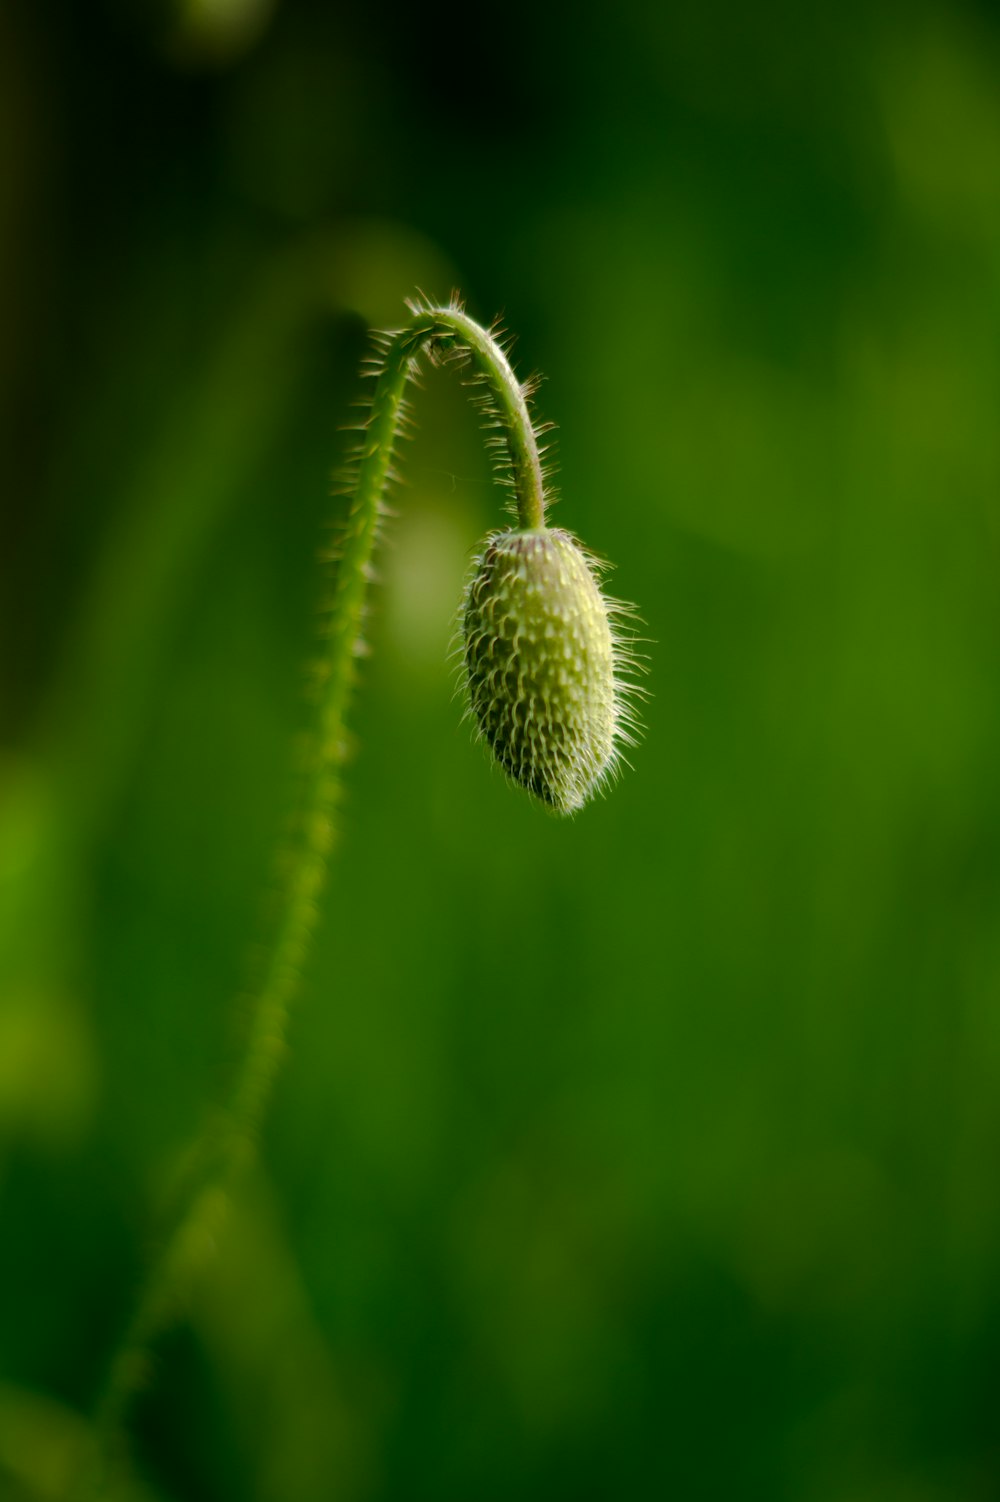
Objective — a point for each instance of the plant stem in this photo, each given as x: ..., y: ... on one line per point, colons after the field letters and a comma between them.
x: 228, y: 1143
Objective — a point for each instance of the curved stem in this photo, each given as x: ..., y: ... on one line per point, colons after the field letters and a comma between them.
x: 505, y: 397
x: 228, y: 1142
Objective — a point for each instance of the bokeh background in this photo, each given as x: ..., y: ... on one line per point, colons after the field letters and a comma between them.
x: 655, y: 1153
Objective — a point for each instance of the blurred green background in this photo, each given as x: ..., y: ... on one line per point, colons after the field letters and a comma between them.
x: 655, y: 1153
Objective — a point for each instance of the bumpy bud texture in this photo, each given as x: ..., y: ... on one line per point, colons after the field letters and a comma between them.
x: 540, y: 656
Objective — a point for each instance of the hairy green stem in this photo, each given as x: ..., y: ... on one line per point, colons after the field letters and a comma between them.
x: 228, y: 1142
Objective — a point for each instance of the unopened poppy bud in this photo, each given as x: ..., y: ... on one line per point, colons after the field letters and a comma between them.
x: 540, y: 658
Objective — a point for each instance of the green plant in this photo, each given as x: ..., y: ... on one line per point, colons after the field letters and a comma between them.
x: 547, y: 668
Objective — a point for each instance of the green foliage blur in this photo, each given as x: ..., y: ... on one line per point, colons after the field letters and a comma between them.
x: 654, y: 1153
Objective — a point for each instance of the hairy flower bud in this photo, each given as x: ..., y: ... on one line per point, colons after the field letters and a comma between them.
x: 541, y: 657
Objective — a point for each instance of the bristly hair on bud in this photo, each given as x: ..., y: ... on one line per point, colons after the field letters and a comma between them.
x: 547, y: 665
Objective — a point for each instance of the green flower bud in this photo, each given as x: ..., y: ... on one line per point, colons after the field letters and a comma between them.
x: 541, y: 658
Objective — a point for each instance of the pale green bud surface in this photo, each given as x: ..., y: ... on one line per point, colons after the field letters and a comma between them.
x: 540, y: 658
